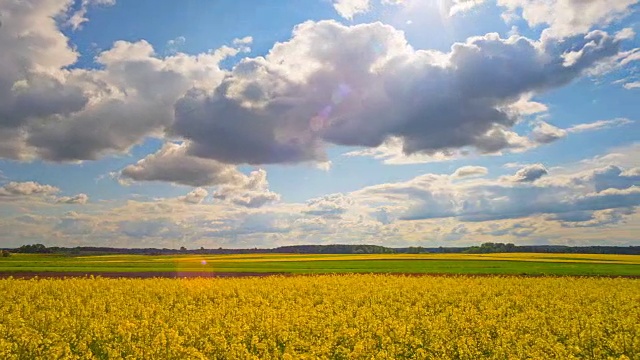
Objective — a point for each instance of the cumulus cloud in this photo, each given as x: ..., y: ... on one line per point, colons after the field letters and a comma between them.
x: 582, y: 219
x: 77, y: 199
x: 360, y: 85
x: 172, y: 164
x: 28, y: 188
x: 196, y: 196
x: 545, y: 133
x: 529, y: 173
x: 390, y: 152
x: 525, y: 106
x: 349, y: 8
x: 567, y: 17
x: 132, y: 98
x: 27, y: 89
x: 521, y: 229
x: 467, y: 171
x: 526, y: 194
x: 286, y: 105
x: 31, y: 190
x: 633, y: 172
x: 329, y: 206
x: 500, y: 141
x: 50, y: 111
x: 598, y: 193
x: 457, y: 233
x: 252, y: 192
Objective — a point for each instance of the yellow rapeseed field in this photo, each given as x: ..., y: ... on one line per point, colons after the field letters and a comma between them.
x: 321, y: 317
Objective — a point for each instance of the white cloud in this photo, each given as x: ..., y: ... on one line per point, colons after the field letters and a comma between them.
x: 28, y: 188
x: 544, y: 133
x: 76, y: 199
x: 626, y: 33
x: 568, y: 17
x: 172, y: 164
x: 525, y: 106
x: 391, y: 153
x: 467, y: 171
x: 361, y: 87
x: 174, y: 45
x: 61, y: 114
x: 632, y: 85
x: 529, y: 173
x: 299, y: 97
x: 446, y: 7
x: 324, y: 166
x: 329, y: 206
x: 525, y: 194
x: 247, y: 40
x: 429, y: 210
x: 599, y: 125
x: 196, y: 196
x: 243, y: 44
x: 459, y: 6
x: 621, y: 61
x: 252, y: 192
x: 79, y: 17
x: 34, y: 191
x: 349, y: 8
x: 624, y: 157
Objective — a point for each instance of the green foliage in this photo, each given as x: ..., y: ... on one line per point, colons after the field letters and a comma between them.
x: 416, y: 250
x: 489, y: 247
x: 33, y: 249
x: 334, y: 249
x: 6, y: 253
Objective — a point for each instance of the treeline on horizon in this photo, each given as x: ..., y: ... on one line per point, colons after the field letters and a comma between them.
x: 485, y: 248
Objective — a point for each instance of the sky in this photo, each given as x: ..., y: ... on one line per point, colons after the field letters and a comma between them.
x: 196, y: 123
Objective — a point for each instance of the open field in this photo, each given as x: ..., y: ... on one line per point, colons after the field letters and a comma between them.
x: 321, y: 317
x: 500, y: 264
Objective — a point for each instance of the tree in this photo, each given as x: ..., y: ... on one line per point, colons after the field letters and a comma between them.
x: 6, y: 253
x: 33, y: 249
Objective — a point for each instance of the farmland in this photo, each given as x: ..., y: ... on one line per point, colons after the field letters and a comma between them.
x: 321, y: 317
x: 497, y: 264
x: 347, y: 307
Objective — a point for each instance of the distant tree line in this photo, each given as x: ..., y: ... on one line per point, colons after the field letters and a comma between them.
x: 485, y: 248
x: 334, y: 249
x: 490, y: 247
x: 33, y: 249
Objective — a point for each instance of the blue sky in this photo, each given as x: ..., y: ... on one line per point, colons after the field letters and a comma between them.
x: 136, y: 123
